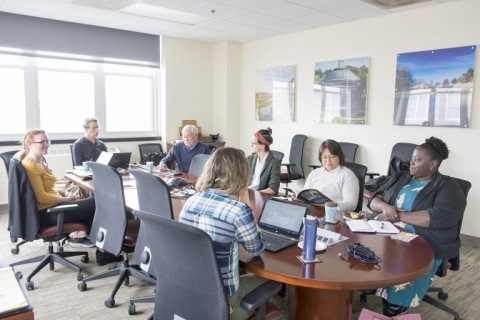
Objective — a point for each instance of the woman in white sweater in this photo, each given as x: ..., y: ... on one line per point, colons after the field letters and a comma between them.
x: 333, y: 179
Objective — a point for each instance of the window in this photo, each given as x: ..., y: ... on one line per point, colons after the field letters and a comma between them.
x: 57, y: 94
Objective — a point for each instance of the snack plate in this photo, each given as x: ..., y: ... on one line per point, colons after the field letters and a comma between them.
x: 362, y: 215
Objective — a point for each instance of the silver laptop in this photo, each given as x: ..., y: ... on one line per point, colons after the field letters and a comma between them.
x: 281, y: 222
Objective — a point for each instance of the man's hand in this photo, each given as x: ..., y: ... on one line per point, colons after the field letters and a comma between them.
x: 162, y: 166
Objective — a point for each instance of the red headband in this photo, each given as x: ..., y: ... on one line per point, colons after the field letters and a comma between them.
x: 261, y: 138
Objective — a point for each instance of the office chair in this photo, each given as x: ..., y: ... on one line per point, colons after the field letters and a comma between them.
x: 349, y: 150
x: 401, y: 150
x: 448, y: 264
x: 278, y: 155
x: 6, y: 156
x: 147, y: 148
x: 198, y: 162
x: 111, y: 230
x: 25, y: 224
x: 153, y: 197
x: 360, y: 171
x: 294, y: 168
x: 71, y: 154
x: 181, y: 280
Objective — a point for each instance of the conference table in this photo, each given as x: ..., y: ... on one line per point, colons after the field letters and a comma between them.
x: 321, y: 290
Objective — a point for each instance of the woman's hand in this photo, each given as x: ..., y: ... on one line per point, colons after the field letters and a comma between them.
x: 389, y: 213
x: 71, y: 196
x: 294, y: 196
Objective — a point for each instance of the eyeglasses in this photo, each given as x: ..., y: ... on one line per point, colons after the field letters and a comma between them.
x: 44, y: 142
x: 94, y: 128
x: 324, y: 158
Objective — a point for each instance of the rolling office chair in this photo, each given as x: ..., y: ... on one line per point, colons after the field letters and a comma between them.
x: 294, y: 168
x: 153, y: 197
x: 146, y: 148
x: 401, y: 150
x: 181, y: 280
x: 111, y: 230
x: 6, y: 156
x: 24, y: 222
x: 71, y: 154
x: 349, y: 150
x: 278, y: 155
x: 198, y: 162
x: 360, y: 171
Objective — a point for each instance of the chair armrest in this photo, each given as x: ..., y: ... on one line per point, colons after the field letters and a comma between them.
x: 260, y: 295
x: 289, y: 172
x: 371, y: 174
x: 64, y: 207
x: 61, y: 215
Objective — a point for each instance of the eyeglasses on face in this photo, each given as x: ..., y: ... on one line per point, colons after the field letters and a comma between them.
x: 44, y: 142
x: 94, y: 128
x: 324, y: 158
x: 255, y: 144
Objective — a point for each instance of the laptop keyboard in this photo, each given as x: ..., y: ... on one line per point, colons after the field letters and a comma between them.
x: 270, y: 238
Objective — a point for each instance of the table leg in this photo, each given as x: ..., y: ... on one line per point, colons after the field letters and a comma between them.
x: 312, y: 303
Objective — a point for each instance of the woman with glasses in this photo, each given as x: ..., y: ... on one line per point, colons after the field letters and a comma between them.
x: 264, y: 167
x: 333, y: 179
x: 35, y: 145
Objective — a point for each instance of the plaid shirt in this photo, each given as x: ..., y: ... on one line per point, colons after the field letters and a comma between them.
x: 228, y: 222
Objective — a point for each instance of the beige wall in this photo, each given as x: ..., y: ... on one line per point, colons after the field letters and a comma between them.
x: 380, y: 39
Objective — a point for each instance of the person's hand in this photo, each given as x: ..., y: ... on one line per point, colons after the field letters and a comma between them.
x: 71, y: 196
x: 293, y: 196
x: 162, y: 166
x: 389, y: 213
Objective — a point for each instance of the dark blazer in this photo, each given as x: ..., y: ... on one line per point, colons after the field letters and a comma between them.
x: 270, y: 176
x: 445, y: 203
x: 23, y: 219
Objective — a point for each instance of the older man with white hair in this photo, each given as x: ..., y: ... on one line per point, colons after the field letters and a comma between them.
x: 183, y: 153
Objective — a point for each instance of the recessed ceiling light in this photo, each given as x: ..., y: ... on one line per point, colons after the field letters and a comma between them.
x: 156, y: 12
x: 112, y: 5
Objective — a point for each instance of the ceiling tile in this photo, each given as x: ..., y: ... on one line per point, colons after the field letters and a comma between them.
x: 221, y: 25
x: 250, y: 18
x: 355, y: 9
x: 248, y: 4
x: 72, y: 19
x: 320, y: 4
x: 284, y: 26
x: 257, y: 32
x: 36, y: 5
x: 26, y: 12
x: 317, y: 19
x: 176, y: 4
x: 284, y: 9
x: 110, y: 5
x: 221, y: 11
x: 84, y: 12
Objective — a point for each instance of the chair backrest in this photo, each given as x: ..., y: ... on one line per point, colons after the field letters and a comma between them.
x: 110, y: 221
x: 277, y: 154
x: 71, y: 153
x: 153, y: 197
x: 174, y: 246
x: 198, y: 162
x: 296, y: 154
x: 349, y: 150
x: 146, y: 148
x: 403, y: 151
x: 360, y: 171
x: 6, y: 156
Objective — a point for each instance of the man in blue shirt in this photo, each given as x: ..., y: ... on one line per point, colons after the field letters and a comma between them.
x: 183, y: 153
x: 88, y: 147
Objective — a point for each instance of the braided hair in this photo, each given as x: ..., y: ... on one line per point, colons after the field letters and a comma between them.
x: 436, y: 149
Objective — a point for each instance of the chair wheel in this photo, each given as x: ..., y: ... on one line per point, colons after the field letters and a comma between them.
x: 80, y: 276
x: 131, y: 310
x: 14, y: 251
x: 30, y: 286
x: 85, y: 259
x: 13, y: 240
x: 82, y: 286
x: 60, y: 249
x: 19, y: 275
x: 442, y: 295
x: 109, y: 303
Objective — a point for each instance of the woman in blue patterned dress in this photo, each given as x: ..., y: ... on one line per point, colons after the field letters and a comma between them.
x: 428, y: 204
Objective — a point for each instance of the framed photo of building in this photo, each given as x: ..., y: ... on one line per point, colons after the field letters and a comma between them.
x: 435, y: 87
x: 340, y: 91
x: 275, y: 94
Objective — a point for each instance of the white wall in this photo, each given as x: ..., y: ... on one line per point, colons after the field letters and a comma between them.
x: 381, y: 39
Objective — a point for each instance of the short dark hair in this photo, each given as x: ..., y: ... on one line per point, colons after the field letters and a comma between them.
x: 267, y: 135
x: 334, y: 148
x: 436, y: 149
x: 87, y: 122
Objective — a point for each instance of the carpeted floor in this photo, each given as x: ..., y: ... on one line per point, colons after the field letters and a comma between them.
x: 56, y: 296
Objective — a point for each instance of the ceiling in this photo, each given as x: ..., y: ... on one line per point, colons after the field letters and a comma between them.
x: 212, y: 20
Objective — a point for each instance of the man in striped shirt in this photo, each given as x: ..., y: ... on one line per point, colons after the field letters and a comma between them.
x: 221, y: 208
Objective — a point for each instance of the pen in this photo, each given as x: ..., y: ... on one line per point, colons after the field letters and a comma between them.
x: 381, y: 226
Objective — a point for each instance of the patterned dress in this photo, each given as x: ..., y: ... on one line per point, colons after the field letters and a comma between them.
x: 411, y: 293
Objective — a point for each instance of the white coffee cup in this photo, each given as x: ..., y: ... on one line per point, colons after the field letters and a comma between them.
x: 149, y: 166
x: 85, y: 166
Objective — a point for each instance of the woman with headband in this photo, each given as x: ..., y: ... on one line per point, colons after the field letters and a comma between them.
x: 264, y: 167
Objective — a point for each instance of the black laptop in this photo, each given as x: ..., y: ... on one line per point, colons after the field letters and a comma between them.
x: 115, y: 160
x: 281, y: 222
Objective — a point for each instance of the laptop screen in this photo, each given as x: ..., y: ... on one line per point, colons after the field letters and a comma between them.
x: 283, y: 216
x: 115, y: 160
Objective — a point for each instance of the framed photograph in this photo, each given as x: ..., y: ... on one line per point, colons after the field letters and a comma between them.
x: 435, y: 87
x: 275, y: 94
x: 340, y: 91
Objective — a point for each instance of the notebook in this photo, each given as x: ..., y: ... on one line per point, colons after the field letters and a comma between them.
x: 281, y: 223
x: 115, y: 160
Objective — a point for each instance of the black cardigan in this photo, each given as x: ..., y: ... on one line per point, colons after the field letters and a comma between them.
x: 445, y: 203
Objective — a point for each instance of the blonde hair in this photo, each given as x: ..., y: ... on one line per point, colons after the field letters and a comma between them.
x: 27, y: 141
x: 226, y: 170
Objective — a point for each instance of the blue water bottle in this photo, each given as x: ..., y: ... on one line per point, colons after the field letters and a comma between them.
x: 309, y: 238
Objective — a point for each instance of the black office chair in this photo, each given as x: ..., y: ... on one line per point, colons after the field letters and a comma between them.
x: 349, y: 150
x: 151, y: 148
x: 24, y: 223
x: 178, y: 249
x: 278, y: 155
x: 401, y: 150
x: 71, y: 154
x: 360, y: 171
x: 153, y: 197
x: 111, y: 230
x: 6, y: 156
x: 198, y: 162
x: 294, y: 168
x: 448, y: 264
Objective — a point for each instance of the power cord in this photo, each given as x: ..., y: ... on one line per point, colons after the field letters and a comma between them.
x: 361, y: 253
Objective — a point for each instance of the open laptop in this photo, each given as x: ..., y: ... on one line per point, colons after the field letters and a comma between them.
x: 115, y: 160
x: 281, y: 222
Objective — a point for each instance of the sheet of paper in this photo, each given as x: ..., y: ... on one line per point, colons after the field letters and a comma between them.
x: 11, y: 294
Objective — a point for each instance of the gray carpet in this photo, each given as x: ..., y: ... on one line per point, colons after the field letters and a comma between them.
x: 56, y: 295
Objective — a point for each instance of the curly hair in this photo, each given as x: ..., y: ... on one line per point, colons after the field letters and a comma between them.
x: 436, y: 149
